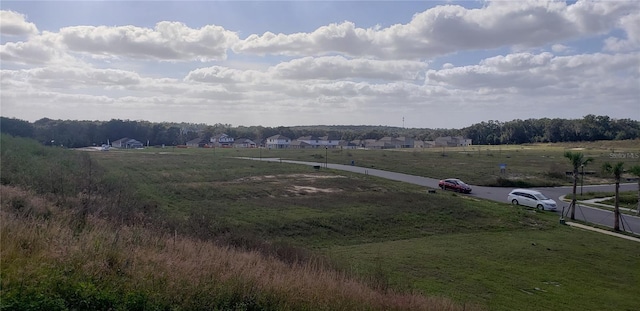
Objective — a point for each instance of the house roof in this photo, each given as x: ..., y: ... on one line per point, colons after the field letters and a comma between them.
x: 299, y: 143
x: 120, y: 140
x: 309, y: 138
x: 240, y: 141
x: 278, y: 136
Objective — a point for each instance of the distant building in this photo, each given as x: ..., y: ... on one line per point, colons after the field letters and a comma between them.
x: 244, y: 143
x: 449, y: 141
x: 222, y: 140
x: 127, y: 143
x: 278, y: 142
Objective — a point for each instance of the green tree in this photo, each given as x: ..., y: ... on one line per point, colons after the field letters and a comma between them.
x: 577, y: 160
x: 635, y: 170
x: 617, y: 171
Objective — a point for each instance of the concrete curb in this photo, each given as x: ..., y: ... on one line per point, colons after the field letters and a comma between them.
x: 581, y: 226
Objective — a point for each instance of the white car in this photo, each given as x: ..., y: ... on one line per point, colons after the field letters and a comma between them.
x: 531, y: 198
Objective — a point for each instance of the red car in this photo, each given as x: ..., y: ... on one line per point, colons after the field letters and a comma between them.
x: 455, y: 185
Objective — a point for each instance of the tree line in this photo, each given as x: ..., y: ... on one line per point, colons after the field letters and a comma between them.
x: 73, y: 133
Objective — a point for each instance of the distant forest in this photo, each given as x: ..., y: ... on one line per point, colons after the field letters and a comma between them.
x: 73, y: 134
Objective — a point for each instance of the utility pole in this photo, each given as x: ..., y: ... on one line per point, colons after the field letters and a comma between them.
x: 326, y: 151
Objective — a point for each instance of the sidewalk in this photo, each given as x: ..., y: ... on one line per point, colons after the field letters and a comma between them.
x: 581, y: 226
x: 597, y: 201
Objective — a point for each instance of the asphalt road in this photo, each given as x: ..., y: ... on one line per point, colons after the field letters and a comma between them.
x: 585, y: 213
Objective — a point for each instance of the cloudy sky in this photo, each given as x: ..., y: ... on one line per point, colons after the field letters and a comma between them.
x: 422, y: 64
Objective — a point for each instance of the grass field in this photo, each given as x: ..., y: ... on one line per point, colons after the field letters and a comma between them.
x: 472, y: 251
x: 533, y: 165
x: 382, y: 237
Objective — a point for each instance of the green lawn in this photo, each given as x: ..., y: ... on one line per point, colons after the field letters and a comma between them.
x: 558, y: 268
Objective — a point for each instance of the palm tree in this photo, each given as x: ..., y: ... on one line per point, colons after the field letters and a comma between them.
x: 616, y: 170
x: 635, y: 170
x: 577, y: 160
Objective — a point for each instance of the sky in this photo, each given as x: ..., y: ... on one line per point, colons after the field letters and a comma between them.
x: 413, y: 64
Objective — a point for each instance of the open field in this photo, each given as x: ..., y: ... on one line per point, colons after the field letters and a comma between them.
x: 534, y: 165
x: 470, y: 250
x: 388, y: 237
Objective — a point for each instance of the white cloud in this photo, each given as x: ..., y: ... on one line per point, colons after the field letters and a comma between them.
x: 339, y: 73
x: 631, y: 26
x: 544, y: 75
x: 167, y: 41
x: 560, y: 48
x: 447, y: 29
x: 220, y: 74
x: 338, y: 67
x: 15, y: 24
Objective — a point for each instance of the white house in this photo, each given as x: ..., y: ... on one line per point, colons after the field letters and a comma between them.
x: 448, y: 141
x: 278, y: 142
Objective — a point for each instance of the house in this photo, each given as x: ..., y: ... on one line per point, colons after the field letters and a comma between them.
x: 197, y: 143
x: 343, y: 144
x: 308, y: 142
x: 278, y: 142
x: 319, y: 142
x: 397, y: 142
x: 429, y: 143
x: 448, y: 141
x: 127, y: 143
x: 299, y: 144
x: 222, y: 140
x: 244, y: 143
x: 330, y: 142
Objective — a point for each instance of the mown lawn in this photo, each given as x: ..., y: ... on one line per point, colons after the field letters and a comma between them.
x: 554, y: 269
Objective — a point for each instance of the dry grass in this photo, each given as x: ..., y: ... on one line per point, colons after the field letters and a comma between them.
x: 178, y: 271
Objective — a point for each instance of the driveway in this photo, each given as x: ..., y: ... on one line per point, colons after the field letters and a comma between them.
x: 585, y: 213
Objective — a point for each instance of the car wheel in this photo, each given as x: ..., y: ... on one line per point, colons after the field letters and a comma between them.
x: 514, y: 202
x: 540, y: 207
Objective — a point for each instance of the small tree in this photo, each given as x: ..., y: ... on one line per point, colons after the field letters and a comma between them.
x: 577, y: 160
x: 635, y: 170
x: 617, y: 171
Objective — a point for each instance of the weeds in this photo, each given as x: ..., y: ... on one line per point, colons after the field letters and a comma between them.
x: 128, y: 267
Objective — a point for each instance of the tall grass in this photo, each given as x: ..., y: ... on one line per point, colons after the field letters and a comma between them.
x: 49, y: 265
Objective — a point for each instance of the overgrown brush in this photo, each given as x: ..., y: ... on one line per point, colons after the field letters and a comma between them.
x: 48, y: 264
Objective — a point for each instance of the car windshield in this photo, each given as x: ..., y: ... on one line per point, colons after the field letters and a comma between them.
x: 540, y: 196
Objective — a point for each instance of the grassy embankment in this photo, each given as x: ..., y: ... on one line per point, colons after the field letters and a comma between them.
x: 395, y: 235
x: 88, y: 237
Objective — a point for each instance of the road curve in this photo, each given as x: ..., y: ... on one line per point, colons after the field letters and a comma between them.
x: 499, y: 194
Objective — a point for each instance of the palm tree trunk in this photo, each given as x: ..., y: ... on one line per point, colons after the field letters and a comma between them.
x: 616, y: 211
x: 573, y: 199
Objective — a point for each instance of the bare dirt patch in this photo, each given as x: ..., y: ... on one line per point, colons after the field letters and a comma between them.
x: 309, y: 190
x: 303, y: 177
x: 295, y: 184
